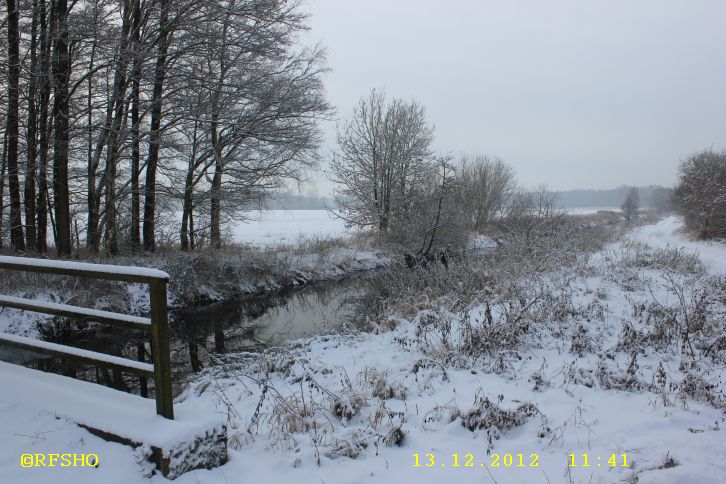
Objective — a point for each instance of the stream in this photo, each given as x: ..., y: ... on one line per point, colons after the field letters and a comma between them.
x: 246, y: 323
x: 254, y: 323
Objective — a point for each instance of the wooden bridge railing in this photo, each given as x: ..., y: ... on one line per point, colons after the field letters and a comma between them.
x: 157, y: 324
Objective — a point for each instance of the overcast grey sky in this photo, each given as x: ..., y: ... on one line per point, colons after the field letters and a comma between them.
x: 572, y: 93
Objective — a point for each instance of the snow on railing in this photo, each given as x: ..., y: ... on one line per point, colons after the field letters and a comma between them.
x: 157, y: 324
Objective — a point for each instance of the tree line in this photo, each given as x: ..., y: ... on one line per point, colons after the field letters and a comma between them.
x: 391, y: 181
x: 134, y: 123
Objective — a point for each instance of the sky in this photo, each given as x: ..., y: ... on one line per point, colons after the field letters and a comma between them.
x: 571, y: 93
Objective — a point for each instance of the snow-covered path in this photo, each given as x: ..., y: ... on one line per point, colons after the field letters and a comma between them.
x: 669, y: 233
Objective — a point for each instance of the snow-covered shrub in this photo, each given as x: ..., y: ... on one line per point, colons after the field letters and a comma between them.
x: 394, y: 437
x: 619, y: 378
x: 702, y: 387
x: 581, y: 341
x: 539, y: 382
x: 489, y: 416
x: 351, y: 447
x: 346, y: 407
x: 379, y: 385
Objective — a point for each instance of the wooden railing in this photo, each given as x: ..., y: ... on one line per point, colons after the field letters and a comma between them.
x: 157, y: 324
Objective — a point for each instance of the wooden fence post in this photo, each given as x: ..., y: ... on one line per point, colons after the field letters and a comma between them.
x: 160, y: 349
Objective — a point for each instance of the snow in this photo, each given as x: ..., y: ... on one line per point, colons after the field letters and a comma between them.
x: 591, y: 210
x: 34, y: 423
x: 358, y: 368
x: 114, y: 360
x: 669, y: 233
x: 83, y: 266
x: 274, y: 227
x: 482, y: 242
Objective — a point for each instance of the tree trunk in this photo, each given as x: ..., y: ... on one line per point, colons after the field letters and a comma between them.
x: 135, y: 233
x: 61, y: 76
x: 2, y: 185
x: 115, y: 125
x: 32, y: 150
x: 184, y: 235
x: 93, y: 238
x: 215, y: 233
x: 44, y: 91
x: 16, y: 224
x: 149, y: 224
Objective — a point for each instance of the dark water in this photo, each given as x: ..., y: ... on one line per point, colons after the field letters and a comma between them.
x: 254, y: 323
x: 198, y: 334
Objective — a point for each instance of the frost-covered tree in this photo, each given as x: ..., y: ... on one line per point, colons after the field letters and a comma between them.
x: 250, y: 99
x: 485, y: 187
x: 116, y: 112
x: 631, y: 203
x: 701, y: 193
x: 383, y: 162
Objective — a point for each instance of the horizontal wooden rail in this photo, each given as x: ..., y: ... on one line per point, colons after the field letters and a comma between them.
x: 83, y: 269
x: 157, y: 325
x: 85, y: 356
x: 84, y: 314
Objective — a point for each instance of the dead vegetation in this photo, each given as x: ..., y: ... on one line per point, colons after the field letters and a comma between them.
x: 485, y: 313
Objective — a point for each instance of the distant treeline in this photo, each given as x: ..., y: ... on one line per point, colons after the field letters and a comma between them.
x: 566, y: 199
x: 602, y: 198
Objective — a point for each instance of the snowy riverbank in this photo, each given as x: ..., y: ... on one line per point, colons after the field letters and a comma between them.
x: 592, y: 365
x: 196, y: 278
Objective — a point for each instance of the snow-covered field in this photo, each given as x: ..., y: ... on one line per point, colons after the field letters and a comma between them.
x: 274, y: 227
x: 591, y: 210
x: 596, y: 375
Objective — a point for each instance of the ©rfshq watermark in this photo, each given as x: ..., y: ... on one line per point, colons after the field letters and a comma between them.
x: 59, y: 460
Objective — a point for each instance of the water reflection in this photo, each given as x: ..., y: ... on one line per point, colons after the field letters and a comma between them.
x: 197, y: 333
x: 252, y: 323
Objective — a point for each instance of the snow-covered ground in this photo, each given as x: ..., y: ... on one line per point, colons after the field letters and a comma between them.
x: 274, y: 227
x: 669, y: 233
x: 590, y: 210
x: 356, y: 408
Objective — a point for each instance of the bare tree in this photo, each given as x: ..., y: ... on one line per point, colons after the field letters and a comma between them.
x: 61, y: 116
x: 485, y: 186
x: 382, y: 162
x: 44, y: 91
x: 222, y: 84
x: 248, y: 101
x: 165, y: 31
x: 12, y: 130
x: 631, y: 204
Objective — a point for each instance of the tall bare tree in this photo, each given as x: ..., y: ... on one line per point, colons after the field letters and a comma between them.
x: 221, y: 83
x: 255, y: 102
x: 44, y: 91
x: 485, y: 186
x: 164, y: 32
x: 61, y: 116
x: 383, y: 160
x: 12, y: 128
